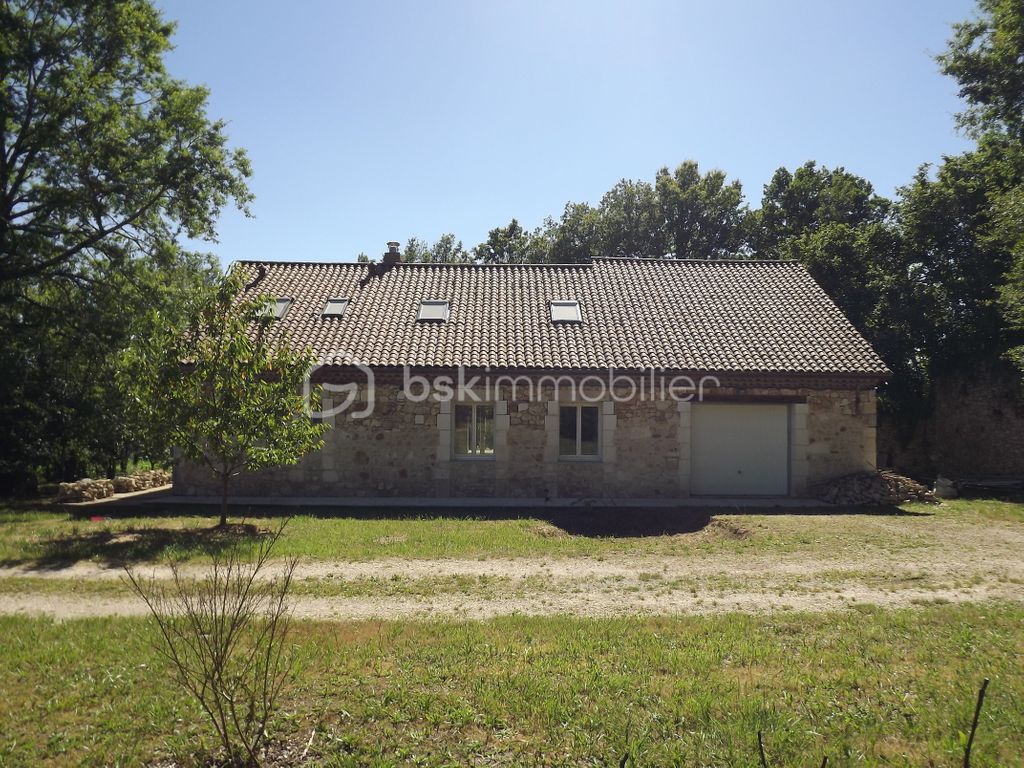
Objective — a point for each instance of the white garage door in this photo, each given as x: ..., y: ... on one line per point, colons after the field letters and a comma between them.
x: 739, y: 450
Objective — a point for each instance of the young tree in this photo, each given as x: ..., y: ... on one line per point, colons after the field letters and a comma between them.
x: 226, y: 392
x: 225, y: 637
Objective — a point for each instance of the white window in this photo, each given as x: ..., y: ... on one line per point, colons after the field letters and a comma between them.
x: 473, y: 432
x: 565, y: 311
x: 578, y: 431
x: 433, y: 310
x: 335, y: 307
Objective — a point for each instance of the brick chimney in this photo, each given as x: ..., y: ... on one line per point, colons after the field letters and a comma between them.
x: 393, y: 256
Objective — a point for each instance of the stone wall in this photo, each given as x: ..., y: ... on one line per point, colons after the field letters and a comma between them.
x: 976, y: 429
x: 405, y: 449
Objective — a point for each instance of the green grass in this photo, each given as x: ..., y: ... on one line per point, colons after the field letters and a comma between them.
x: 43, y: 536
x: 869, y: 688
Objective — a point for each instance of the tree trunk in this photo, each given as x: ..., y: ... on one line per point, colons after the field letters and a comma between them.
x: 225, y: 479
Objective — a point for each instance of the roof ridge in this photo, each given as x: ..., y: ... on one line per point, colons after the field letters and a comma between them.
x: 536, y: 265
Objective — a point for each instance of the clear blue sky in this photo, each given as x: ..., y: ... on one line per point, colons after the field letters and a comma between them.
x: 371, y: 121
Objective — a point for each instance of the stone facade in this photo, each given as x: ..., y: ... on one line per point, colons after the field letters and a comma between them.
x: 404, y: 449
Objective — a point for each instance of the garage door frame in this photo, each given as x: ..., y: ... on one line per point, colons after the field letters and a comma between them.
x: 787, y: 404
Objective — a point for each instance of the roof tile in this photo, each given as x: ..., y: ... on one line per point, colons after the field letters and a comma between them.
x: 713, y: 316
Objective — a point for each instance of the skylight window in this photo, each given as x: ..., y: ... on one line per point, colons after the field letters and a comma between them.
x: 433, y: 310
x: 565, y: 311
x: 335, y: 307
x: 278, y: 308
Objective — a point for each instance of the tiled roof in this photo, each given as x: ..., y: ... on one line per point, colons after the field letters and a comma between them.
x: 637, y: 314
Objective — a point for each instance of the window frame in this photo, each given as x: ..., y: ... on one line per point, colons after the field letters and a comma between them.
x: 274, y: 307
x: 335, y: 300
x: 434, y: 303
x: 579, y: 433
x: 574, y: 303
x: 473, y: 421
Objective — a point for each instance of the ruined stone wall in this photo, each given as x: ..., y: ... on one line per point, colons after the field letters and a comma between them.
x: 976, y: 428
x: 405, y: 449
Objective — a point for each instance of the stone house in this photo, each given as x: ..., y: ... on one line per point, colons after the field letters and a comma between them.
x: 618, y: 379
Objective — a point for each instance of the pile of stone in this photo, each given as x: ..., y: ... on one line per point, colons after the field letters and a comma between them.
x: 140, y: 481
x: 85, y: 489
x: 91, y: 490
x: 872, y: 489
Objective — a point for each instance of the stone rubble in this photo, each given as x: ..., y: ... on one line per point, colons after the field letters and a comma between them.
x: 88, y: 489
x: 872, y: 489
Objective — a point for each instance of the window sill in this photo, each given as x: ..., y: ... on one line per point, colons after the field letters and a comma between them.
x: 579, y: 459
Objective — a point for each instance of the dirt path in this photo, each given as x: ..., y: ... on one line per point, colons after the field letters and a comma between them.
x: 1005, y: 557
x: 611, y: 586
x: 65, y: 607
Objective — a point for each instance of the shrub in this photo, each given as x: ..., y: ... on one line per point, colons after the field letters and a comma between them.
x: 224, y: 634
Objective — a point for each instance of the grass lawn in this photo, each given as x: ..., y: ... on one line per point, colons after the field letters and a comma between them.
x: 38, y: 535
x: 866, y: 687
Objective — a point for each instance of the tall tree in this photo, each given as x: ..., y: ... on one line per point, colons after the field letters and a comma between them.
x: 986, y: 57
x: 1008, y: 226
x: 948, y: 219
x: 506, y: 245
x: 416, y: 250
x: 632, y: 222
x: 106, y: 163
x: 61, y: 414
x: 832, y: 221
x: 449, y: 250
x: 575, y: 237
x: 102, y: 153
x: 703, y: 213
x: 799, y: 202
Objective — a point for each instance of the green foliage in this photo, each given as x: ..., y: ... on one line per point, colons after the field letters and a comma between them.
x: 507, y: 245
x: 683, y: 214
x: 1008, y: 217
x: 104, y: 154
x: 105, y: 162
x: 225, y: 392
x: 985, y: 57
x: 447, y: 250
x: 574, y: 239
x: 949, y: 228
x: 61, y: 413
x: 632, y: 221
x: 803, y: 201
x: 703, y: 214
